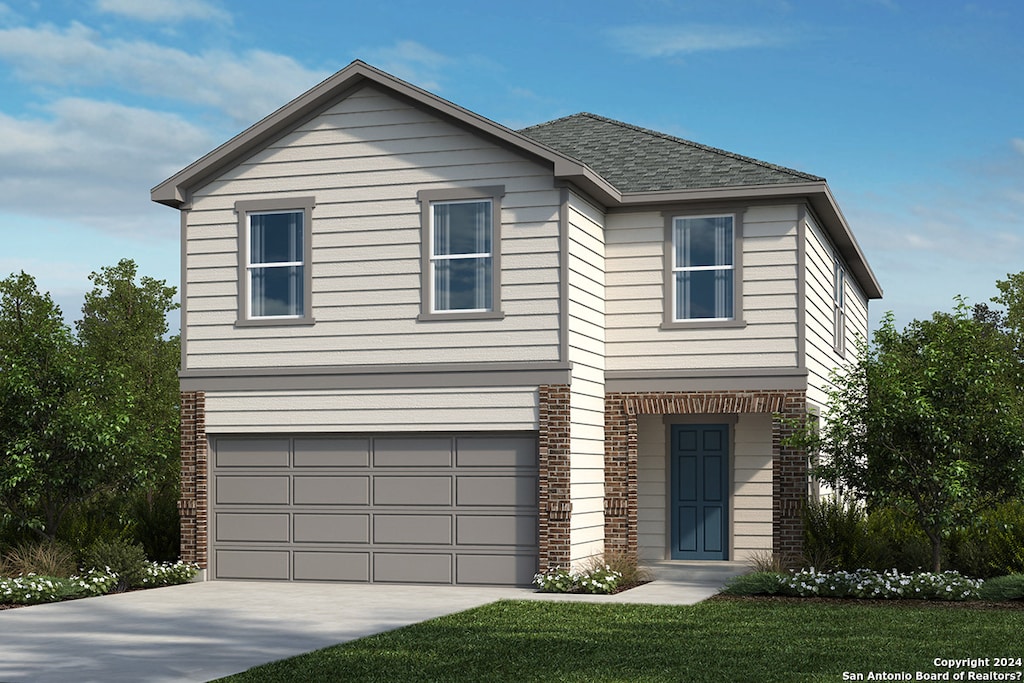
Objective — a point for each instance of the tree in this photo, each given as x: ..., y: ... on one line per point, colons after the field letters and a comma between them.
x: 124, y: 329
x: 927, y: 419
x: 62, y: 418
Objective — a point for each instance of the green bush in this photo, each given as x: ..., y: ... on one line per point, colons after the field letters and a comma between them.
x: 1003, y: 588
x: 126, y: 560
x: 155, y: 523
x: 836, y: 535
x: 758, y: 583
x: 993, y: 544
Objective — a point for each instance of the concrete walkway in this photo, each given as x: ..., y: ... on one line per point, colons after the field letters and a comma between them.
x: 203, y: 631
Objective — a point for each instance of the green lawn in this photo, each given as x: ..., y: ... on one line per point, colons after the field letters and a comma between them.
x: 717, y: 640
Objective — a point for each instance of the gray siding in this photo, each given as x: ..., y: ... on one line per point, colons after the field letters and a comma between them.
x: 586, y: 261
x: 364, y: 159
x: 820, y: 292
x: 499, y: 408
x: 635, y: 291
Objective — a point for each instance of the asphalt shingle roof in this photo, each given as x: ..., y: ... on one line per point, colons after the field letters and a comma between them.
x: 636, y: 159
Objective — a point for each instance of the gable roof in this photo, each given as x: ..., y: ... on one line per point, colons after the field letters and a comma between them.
x: 617, y: 164
x: 637, y: 159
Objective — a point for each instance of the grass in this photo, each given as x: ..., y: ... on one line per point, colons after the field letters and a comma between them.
x: 717, y: 640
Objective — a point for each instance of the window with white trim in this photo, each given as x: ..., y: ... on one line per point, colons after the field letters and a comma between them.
x: 703, y: 268
x: 461, y: 255
x: 839, y: 308
x: 274, y: 265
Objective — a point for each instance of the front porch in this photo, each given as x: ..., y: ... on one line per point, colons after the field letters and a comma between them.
x: 756, y: 496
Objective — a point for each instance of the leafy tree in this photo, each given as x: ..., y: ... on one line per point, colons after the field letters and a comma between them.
x: 927, y: 419
x: 124, y: 329
x: 62, y: 418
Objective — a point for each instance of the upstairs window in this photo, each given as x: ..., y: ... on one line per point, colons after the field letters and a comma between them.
x: 703, y: 268
x: 839, y: 308
x: 461, y: 231
x: 275, y: 278
x: 461, y: 258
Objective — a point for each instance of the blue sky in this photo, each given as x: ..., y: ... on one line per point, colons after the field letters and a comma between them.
x: 912, y: 109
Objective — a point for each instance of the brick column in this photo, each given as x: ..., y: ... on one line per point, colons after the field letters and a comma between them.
x: 620, y: 468
x: 555, y: 506
x: 192, y: 506
x: 789, y: 481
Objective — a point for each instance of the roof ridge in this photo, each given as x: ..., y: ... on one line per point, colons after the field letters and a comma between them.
x: 683, y: 141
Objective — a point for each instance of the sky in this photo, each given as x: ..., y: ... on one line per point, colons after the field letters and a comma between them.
x: 913, y: 110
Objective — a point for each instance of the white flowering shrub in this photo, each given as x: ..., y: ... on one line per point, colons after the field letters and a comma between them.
x: 600, y: 579
x: 865, y: 583
x: 33, y: 590
x: 168, y: 573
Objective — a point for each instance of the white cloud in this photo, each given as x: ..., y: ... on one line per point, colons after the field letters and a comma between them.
x: 245, y: 86
x: 163, y: 10
x: 669, y: 41
x: 1017, y: 144
x: 411, y: 62
x: 94, y: 162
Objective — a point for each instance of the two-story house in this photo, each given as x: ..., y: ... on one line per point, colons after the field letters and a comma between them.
x: 418, y: 346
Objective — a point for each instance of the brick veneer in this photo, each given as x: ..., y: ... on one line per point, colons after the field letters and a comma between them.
x: 555, y: 507
x: 193, y: 503
x: 789, y: 466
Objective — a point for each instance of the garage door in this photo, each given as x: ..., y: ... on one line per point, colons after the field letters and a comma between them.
x: 409, y: 509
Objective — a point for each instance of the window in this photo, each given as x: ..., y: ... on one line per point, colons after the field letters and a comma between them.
x: 703, y: 269
x: 839, y: 308
x: 461, y: 238
x: 274, y: 269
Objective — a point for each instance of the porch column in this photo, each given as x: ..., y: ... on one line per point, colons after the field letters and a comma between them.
x: 789, y: 480
x: 192, y: 506
x: 554, y: 503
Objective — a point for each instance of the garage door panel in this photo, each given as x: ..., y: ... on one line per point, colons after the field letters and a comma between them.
x: 492, y: 569
x: 327, y: 490
x: 332, y: 452
x: 413, y: 529
x: 507, y: 530
x: 427, y: 452
x: 252, y: 453
x: 254, y: 490
x: 254, y: 527
x: 325, y: 528
x: 396, y: 507
x: 332, y: 566
x: 412, y: 567
x: 491, y: 452
x: 388, y: 490
x: 494, y: 491
x: 252, y: 564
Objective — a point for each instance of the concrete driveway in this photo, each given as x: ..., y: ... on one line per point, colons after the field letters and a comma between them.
x: 202, y: 631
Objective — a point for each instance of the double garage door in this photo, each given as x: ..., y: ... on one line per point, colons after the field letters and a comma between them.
x: 380, y: 508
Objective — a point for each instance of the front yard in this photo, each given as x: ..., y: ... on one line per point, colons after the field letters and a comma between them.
x: 724, y: 639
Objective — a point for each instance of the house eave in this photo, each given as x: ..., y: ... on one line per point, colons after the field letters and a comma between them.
x: 175, y: 190
x: 815, y: 193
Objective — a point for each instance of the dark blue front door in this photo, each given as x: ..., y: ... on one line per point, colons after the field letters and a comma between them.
x: 700, y: 497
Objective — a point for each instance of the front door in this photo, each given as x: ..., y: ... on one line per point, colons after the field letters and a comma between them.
x: 700, y: 495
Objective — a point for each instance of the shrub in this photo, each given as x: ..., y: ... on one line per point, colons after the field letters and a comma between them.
x: 625, y: 564
x: 889, y: 584
x: 156, y: 523
x: 1003, y: 588
x: 836, y: 534
x: 45, y: 558
x: 992, y: 545
x: 168, y: 573
x: 124, y: 559
x: 758, y: 583
x: 599, y: 579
